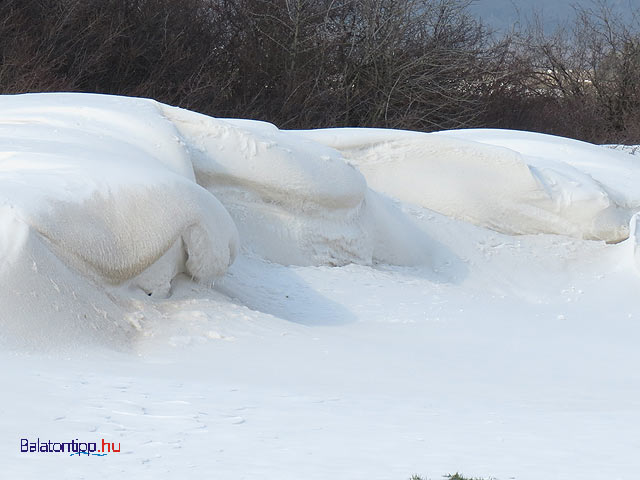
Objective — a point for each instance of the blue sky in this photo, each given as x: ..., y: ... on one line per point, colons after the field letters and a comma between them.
x: 503, y: 13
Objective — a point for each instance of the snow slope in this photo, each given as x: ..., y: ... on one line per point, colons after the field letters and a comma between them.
x: 228, y: 300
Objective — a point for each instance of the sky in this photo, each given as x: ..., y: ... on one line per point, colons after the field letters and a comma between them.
x: 502, y: 14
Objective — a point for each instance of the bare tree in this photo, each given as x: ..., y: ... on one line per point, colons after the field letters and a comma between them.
x: 583, y: 79
x: 414, y: 64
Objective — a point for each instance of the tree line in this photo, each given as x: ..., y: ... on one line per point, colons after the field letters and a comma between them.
x: 412, y: 64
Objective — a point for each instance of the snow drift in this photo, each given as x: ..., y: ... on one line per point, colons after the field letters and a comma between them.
x: 95, y: 191
x: 106, y: 200
x: 511, y: 182
x: 293, y: 202
x: 111, y: 203
x: 121, y: 195
x: 111, y: 207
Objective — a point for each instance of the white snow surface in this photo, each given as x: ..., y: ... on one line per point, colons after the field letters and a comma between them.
x: 228, y: 300
x: 512, y: 182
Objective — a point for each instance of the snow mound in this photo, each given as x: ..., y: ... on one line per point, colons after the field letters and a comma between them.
x: 110, y: 185
x: 614, y: 171
x: 511, y: 182
x: 105, y: 201
x: 101, y: 189
x: 294, y: 201
x: 108, y: 199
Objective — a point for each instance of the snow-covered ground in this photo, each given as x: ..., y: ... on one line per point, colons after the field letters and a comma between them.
x: 227, y: 300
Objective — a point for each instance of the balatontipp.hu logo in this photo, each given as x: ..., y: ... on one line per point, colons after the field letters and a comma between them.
x: 74, y: 447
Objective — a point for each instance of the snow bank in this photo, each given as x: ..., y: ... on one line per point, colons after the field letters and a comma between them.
x: 512, y: 182
x: 109, y: 184
x: 294, y: 201
x: 105, y: 200
x: 614, y: 171
x: 100, y: 189
x: 111, y: 197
